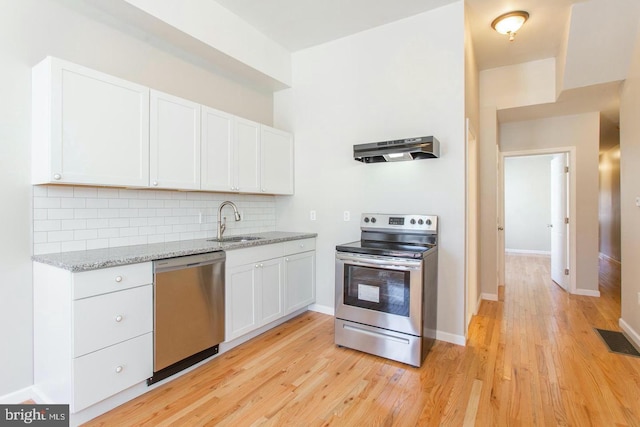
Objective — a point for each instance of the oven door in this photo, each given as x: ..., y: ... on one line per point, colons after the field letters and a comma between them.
x: 380, y: 291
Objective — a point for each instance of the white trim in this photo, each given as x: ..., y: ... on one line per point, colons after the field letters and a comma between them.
x: 586, y: 293
x: 489, y: 297
x: 17, y: 396
x: 322, y: 309
x: 527, y: 252
x: 631, y: 333
x: 608, y: 258
x: 571, y: 151
x: 452, y: 338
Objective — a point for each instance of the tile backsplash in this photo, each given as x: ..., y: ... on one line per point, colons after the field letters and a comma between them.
x: 69, y: 218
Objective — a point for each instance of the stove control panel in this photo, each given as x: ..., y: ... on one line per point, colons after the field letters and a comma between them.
x: 416, y: 222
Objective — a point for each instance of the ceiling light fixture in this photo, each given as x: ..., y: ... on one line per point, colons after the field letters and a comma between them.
x: 509, y: 23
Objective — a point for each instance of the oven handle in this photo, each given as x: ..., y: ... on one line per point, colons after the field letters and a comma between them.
x: 371, y: 261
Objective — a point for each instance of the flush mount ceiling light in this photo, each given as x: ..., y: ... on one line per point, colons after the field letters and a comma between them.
x: 509, y: 23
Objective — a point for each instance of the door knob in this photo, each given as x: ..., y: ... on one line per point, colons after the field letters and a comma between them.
x: 500, y: 228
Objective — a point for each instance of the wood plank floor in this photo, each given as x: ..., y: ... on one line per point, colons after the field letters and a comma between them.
x: 532, y: 359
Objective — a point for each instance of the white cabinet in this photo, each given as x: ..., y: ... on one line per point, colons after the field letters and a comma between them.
x: 276, y: 167
x: 93, y: 332
x: 265, y: 283
x: 299, y: 274
x: 174, y: 146
x: 218, y: 170
x: 88, y: 127
x: 254, y: 293
x: 247, y: 156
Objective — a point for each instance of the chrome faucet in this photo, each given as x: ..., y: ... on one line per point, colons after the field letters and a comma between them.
x: 222, y: 222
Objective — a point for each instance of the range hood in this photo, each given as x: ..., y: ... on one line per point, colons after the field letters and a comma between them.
x: 424, y: 147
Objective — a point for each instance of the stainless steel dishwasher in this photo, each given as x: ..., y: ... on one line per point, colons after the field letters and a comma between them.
x: 188, y: 311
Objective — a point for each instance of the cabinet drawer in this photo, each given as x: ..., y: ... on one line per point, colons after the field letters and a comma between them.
x: 108, y: 319
x: 106, y: 372
x: 302, y: 245
x: 96, y: 282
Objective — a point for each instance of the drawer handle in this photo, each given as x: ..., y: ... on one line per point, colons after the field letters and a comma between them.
x: 118, y: 279
x: 119, y: 369
x: 119, y: 318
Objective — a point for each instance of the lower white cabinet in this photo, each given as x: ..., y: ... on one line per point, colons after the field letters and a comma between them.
x: 265, y: 283
x: 254, y: 296
x: 92, y: 332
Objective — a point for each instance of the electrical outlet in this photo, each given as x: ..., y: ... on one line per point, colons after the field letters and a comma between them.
x: 347, y: 216
x: 312, y: 215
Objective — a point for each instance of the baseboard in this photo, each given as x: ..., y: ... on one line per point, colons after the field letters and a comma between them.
x: 489, y: 297
x: 608, y: 258
x: 18, y: 396
x: 527, y: 252
x: 452, y: 338
x: 322, y: 309
x: 587, y: 293
x: 631, y: 333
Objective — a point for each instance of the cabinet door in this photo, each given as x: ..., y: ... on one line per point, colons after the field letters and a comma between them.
x: 174, y: 142
x: 276, y: 148
x: 91, y: 128
x: 219, y: 169
x: 272, y: 304
x: 248, y: 155
x: 241, y: 294
x: 300, y: 281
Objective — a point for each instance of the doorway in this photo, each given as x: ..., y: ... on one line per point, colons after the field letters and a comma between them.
x: 539, y: 223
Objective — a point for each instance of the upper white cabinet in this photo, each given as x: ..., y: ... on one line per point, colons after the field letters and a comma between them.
x: 247, y: 156
x: 88, y: 127
x: 218, y: 141
x: 94, y: 129
x: 174, y: 142
x: 276, y: 167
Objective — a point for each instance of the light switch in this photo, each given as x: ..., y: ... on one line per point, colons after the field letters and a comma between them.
x: 312, y: 215
x: 347, y: 216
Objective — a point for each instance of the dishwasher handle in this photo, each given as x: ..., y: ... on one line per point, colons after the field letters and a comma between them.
x: 188, y: 261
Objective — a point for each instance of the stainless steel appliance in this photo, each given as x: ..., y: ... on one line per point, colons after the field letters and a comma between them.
x: 188, y: 311
x: 386, y: 287
x: 423, y: 147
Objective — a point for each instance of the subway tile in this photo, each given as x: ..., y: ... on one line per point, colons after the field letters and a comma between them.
x: 128, y: 213
x: 79, y: 245
x: 73, y: 203
x: 127, y: 194
x: 129, y: 231
x: 118, y: 203
x: 108, y: 233
x: 108, y: 213
x: 85, y: 234
x: 73, y: 224
x: 97, y: 244
x: 187, y: 236
x: 59, y: 191
x: 146, y: 231
x: 155, y: 221
x: 138, y: 240
x: 97, y: 203
x: 40, y: 191
x: 85, y: 192
x: 48, y: 225
x: 119, y: 241
x: 172, y: 237
x: 178, y: 195
x: 118, y: 222
x: 155, y: 203
x: 107, y: 193
x: 46, y: 202
x: 46, y: 248
x: 186, y: 203
x: 156, y: 238
x: 40, y: 237
x: 40, y: 214
x: 137, y: 203
x: 172, y: 203
x: 149, y: 213
x: 138, y: 222
x: 85, y: 213
x: 98, y: 223
x: 147, y: 194
x: 165, y: 229
x: 163, y: 212
x: 59, y: 236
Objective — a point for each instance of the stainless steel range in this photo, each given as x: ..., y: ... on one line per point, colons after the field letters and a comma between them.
x: 386, y: 287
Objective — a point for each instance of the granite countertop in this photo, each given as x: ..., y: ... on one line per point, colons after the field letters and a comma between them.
x: 109, y: 257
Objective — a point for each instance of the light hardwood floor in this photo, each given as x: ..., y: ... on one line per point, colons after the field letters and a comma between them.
x: 531, y: 359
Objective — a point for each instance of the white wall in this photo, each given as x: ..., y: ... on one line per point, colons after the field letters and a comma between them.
x: 527, y: 203
x: 30, y: 30
x: 609, y: 214
x: 629, y: 179
x: 581, y: 131
x: 399, y: 80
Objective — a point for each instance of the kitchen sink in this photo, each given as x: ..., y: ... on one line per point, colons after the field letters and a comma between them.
x: 235, y: 239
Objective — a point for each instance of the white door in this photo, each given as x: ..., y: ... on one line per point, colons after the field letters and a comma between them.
x: 277, y: 161
x: 175, y: 142
x: 558, y: 225
x: 218, y: 171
